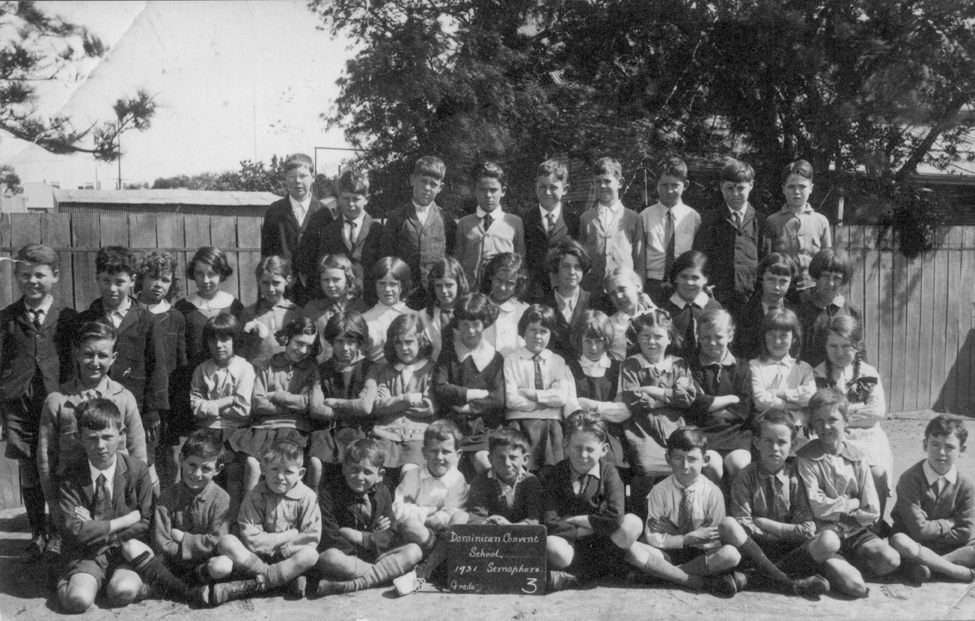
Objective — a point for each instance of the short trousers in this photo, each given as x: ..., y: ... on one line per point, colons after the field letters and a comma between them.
x: 101, y: 566
x: 596, y: 556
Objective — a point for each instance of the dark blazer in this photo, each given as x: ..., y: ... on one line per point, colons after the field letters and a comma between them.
x: 560, y: 342
x: 131, y: 490
x: 340, y: 509
x: 602, y: 500
x: 24, y: 349
x: 140, y: 365
x: 281, y: 236
x: 537, y: 244
x: 363, y: 253
x: 419, y: 246
x: 733, y: 254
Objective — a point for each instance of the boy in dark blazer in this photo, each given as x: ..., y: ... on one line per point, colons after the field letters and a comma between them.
x: 35, y: 358
x: 547, y: 226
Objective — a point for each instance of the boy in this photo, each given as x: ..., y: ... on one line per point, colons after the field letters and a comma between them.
x: 507, y: 493
x: 589, y: 536
x: 831, y: 270
x: 35, y: 358
x: 357, y: 548
x: 610, y: 233
x: 280, y: 527
x: 290, y: 219
x: 488, y: 231
x: 106, y: 500
x: 670, y: 227
x: 140, y: 346
x: 421, y: 233
x: 769, y: 502
x: 547, y: 227
x: 355, y: 234
x: 934, y: 517
x: 732, y: 239
x: 567, y: 264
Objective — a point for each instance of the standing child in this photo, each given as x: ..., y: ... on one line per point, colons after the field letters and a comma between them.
x: 842, y: 496
x: 547, y: 227
x: 612, y: 235
x: 670, y: 226
x: 270, y: 313
x: 776, y: 276
x: 280, y: 527
x: 831, y: 270
x: 342, y: 291
x: 392, y: 282
x: 505, y: 280
x: 797, y: 230
x: 538, y: 387
x: 468, y: 383
x: 845, y: 370
x: 447, y: 284
x: 625, y: 289
x: 778, y: 379
x: 35, y: 358
x: 489, y: 231
x: 359, y: 544
x: 421, y: 234
x: 689, y: 276
x: 567, y: 264
x: 934, y: 516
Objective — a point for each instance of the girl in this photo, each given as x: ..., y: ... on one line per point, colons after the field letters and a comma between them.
x: 831, y: 270
x: 778, y: 379
x: 286, y: 392
x: 723, y: 407
x: 689, y: 277
x: 220, y: 394
x: 447, y: 284
x: 625, y: 289
x: 341, y: 290
x: 263, y: 319
x: 776, y: 278
x: 349, y: 389
x: 568, y: 263
x: 538, y: 387
x: 393, y: 282
x: 468, y: 383
x: 58, y: 442
x: 597, y: 377
x: 845, y: 370
x: 404, y: 400
x: 657, y: 388
x: 505, y: 279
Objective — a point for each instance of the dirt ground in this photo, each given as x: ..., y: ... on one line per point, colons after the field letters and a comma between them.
x: 24, y: 598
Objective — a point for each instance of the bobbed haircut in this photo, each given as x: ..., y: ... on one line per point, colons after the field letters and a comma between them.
x: 713, y: 319
x: 221, y: 326
x: 476, y: 307
x: 537, y: 313
x: 116, y: 260
x: 622, y: 273
x: 346, y: 323
x: 353, y: 285
x: 215, y: 258
x: 39, y: 254
x: 430, y: 166
x: 398, y: 269
x: 692, y: 259
x: 508, y: 438
x: 591, y: 324
x: 672, y: 166
x: 448, y: 267
x: 488, y: 170
x: 274, y: 265
x: 736, y: 171
x: 779, y: 264
x: 829, y: 399
x: 95, y: 331
x: 607, y: 166
x: 207, y: 444
x: 302, y: 326
x: 98, y: 414
x: 775, y: 416
x: 406, y: 324
x: 781, y: 320
x: 514, y: 264
x: 365, y: 450
x: 568, y: 248
x: 831, y: 260
x: 944, y: 425
x: 654, y: 318
x: 297, y: 160
x: 156, y: 265
x: 442, y: 430
x: 353, y: 182
x: 687, y: 439
x: 582, y: 421
x: 284, y: 451
x: 801, y: 168
x: 553, y: 167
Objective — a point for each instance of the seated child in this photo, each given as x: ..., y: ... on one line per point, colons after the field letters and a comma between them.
x: 689, y: 277
x: 342, y: 291
x: 359, y: 544
x: 504, y: 280
x: 446, y: 286
x: 778, y: 379
x: 589, y: 535
x: 105, y: 501
x: 567, y: 263
x: 831, y: 270
x: 842, y: 496
x: 776, y: 275
x: 538, y: 388
x: 934, y: 516
x: 270, y: 313
x: 393, y: 282
x: 507, y: 493
x: 280, y: 527
x: 625, y: 289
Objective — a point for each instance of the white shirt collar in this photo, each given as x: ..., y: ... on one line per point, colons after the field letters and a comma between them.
x: 613, y: 209
x: 556, y: 214
x: 302, y: 205
x: 766, y: 308
x: 399, y: 308
x: 666, y: 363
x: 44, y: 307
x: 727, y: 360
x: 509, y: 305
x: 679, y: 210
x: 786, y: 362
x: 220, y: 301
x: 563, y: 301
x: 741, y: 213
x: 160, y: 308
x: 409, y: 370
x: 108, y: 472
x: 497, y: 213
x: 526, y: 354
x: 420, y: 208
x: 701, y: 300
x: 951, y: 476
x: 593, y: 472
x: 449, y: 478
x: 358, y: 220
x: 483, y: 354
x: 595, y: 368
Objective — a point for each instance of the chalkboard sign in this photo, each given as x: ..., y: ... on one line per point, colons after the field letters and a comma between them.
x: 486, y: 558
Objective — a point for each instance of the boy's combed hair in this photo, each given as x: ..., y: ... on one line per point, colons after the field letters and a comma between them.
x: 944, y: 425
x: 365, y: 450
x: 829, y: 399
x: 302, y: 326
x: 607, y: 166
x: 737, y: 172
x: 654, y: 318
x: 514, y: 264
x: 297, y: 160
x: 537, y: 313
x: 476, y: 307
x: 215, y: 258
x: 221, y: 326
x: 442, y: 430
x: 155, y: 265
x: 622, y: 273
x: 568, y: 248
x: 398, y: 269
x: 798, y: 167
x: 784, y: 320
x: 406, y: 324
x: 430, y: 166
x: 715, y: 319
x: 116, y: 260
x: 354, y: 182
x: 353, y: 286
x: 592, y: 324
x: 94, y: 331
x: 39, y: 254
x: 672, y: 166
x: 98, y: 414
x: 691, y: 259
x: 489, y: 170
x: 346, y: 323
x: 207, y: 444
x: 687, y: 439
x: 831, y: 260
x: 778, y: 264
x: 284, y: 451
x: 274, y: 265
x: 554, y: 168
x: 776, y: 416
x: 448, y: 267
x: 582, y: 421
x: 508, y: 437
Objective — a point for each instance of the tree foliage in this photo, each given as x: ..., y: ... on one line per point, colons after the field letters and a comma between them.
x: 9, y: 181
x: 251, y: 177
x: 40, y: 48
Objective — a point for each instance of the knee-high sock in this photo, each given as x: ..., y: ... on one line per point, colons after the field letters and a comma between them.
x: 154, y: 571
x: 388, y: 568
x: 659, y: 567
x: 34, y: 503
x: 433, y: 560
x: 752, y: 551
x: 799, y: 562
x: 253, y: 565
x: 283, y: 572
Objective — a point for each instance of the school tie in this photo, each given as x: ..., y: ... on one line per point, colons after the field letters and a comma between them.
x: 737, y: 218
x: 102, y: 505
x: 582, y: 482
x: 446, y: 316
x: 685, y: 515
x: 365, y: 504
x: 550, y: 227
x: 770, y: 497
x: 37, y: 315
x: 669, y: 239
x: 539, y: 385
x: 487, y: 221
x: 938, y: 486
x: 351, y: 224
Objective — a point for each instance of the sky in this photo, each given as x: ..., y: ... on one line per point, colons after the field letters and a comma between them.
x: 234, y: 81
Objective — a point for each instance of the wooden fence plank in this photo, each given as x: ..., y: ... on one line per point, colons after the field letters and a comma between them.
x: 142, y: 234
x: 963, y: 390
x: 115, y: 230
x: 197, y: 232
x: 249, y: 236
x: 912, y: 330
x: 86, y: 234
x: 949, y: 401
x: 56, y: 233
x: 939, y: 324
x: 8, y: 285
x: 170, y: 234
x: 871, y: 305
x: 899, y: 352
x: 223, y: 235
x: 922, y: 396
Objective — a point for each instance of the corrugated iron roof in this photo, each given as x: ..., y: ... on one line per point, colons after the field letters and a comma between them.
x: 165, y: 197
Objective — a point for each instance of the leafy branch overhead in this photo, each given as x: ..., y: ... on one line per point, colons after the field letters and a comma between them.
x: 40, y: 48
